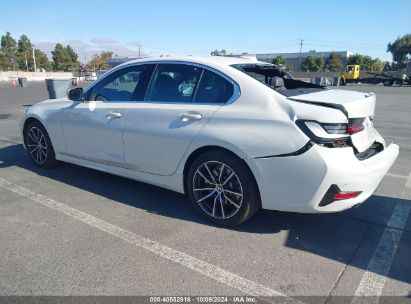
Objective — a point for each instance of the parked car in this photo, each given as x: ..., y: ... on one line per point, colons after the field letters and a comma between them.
x: 90, y: 76
x: 235, y: 135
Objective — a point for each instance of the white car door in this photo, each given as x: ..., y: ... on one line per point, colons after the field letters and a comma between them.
x: 180, y: 100
x: 93, y: 128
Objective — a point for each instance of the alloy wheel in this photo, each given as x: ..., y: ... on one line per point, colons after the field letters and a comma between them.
x: 37, y: 145
x: 217, y: 190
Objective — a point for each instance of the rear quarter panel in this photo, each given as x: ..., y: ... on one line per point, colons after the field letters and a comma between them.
x: 257, y: 124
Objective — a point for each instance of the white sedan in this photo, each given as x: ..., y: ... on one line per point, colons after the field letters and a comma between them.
x: 234, y: 134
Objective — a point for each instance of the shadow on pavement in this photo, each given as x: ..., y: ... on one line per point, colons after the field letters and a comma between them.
x: 334, y: 236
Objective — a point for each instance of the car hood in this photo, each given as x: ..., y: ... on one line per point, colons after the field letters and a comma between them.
x: 54, y: 100
x: 353, y: 104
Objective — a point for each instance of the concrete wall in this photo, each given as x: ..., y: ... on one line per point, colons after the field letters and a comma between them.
x: 33, y: 76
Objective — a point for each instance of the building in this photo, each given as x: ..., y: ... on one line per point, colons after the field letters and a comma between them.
x: 293, y: 59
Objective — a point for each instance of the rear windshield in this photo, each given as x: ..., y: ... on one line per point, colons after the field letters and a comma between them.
x: 262, y: 72
x: 277, y: 78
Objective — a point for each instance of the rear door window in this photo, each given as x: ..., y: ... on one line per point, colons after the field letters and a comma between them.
x: 174, y: 83
x: 213, y: 88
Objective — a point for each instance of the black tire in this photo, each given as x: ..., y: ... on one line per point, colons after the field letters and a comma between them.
x: 343, y: 82
x: 388, y: 83
x: 242, y: 179
x: 42, y: 155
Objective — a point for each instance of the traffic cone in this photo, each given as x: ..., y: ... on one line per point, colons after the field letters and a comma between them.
x: 13, y: 84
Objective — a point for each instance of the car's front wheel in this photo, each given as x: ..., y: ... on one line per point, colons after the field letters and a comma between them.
x: 222, y: 188
x: 38, y: 145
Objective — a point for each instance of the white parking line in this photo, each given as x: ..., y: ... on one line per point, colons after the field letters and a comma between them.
x: 408, y: 183
x: 397, y: 175
x: 10, y: 141
x: 398, y: 137
x: 374, y: 278
x: 214, y: 272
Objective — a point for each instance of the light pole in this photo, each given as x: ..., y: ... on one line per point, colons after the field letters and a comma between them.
x: 34, y: 60
x: 25, y: 57
x: 301, y: 47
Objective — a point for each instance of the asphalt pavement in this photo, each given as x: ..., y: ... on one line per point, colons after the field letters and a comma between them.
x: 79, y: 232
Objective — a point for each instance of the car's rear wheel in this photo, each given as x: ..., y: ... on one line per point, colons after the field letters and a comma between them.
x: 388, y: 83
x: 38, y: 145
x: 222, y: 188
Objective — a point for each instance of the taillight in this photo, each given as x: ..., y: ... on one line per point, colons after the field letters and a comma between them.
x: 335, y: 128
x: 345, y: 195
x: 335, y: 194
x: 331, y: 135
x: 355, y: 125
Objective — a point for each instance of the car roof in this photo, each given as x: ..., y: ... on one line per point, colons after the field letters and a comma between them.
x: 222, y: 61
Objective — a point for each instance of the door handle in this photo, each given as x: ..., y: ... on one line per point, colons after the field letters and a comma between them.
x: 190, y: 116
x: 113, y: 114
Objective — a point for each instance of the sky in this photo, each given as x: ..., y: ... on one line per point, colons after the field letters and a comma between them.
x: 183, y: 27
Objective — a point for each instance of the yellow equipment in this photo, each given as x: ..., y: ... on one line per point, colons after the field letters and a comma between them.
x: 351, y: 74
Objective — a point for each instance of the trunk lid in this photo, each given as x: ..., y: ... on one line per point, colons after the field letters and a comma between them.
x: 353, y: 104
x: 356, y: 104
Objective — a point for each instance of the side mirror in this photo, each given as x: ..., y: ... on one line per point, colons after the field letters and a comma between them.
x: 76, y: 94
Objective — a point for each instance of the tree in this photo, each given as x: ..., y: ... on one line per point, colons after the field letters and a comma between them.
x: 64, y: 58
x: 8, y: 52
x: 99, y: 62
x: 366, y: 63
x: 357, y: 59
x: 309, y: 63
x: 5, y: 62
x: 334, y: 63
x: 377, y: 65
x: 280, y: 60
x: 400, y: 50
x: 24, y: 43
x: 59, y: 57
x: 42, y: 60
x: 24, y: 53
x: 8, y: 42
x: 15, y: 55
x: 313, y: 63
x: 71, y: 53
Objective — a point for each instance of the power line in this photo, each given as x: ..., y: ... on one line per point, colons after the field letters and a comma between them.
x: 343, y: 42
x: 346, y: 46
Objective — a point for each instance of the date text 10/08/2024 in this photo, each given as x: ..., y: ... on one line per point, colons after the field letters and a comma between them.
x: 203, y: 299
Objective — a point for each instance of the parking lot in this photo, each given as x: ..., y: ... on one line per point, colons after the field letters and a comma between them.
x: 75, y: 231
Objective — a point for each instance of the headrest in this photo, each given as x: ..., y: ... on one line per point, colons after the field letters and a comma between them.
x: 277, y: 82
